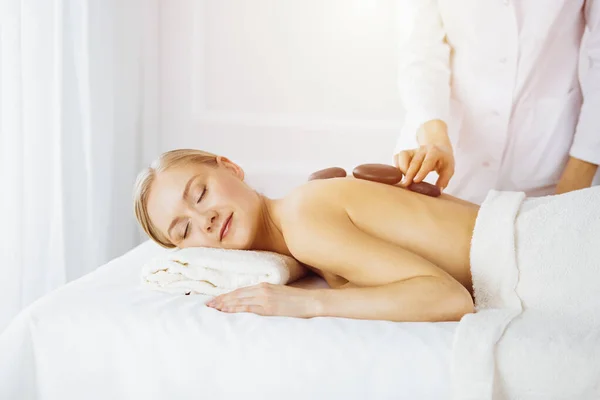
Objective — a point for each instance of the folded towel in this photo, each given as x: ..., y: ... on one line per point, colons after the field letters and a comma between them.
x: 199, y: 270
x: 535, y: 265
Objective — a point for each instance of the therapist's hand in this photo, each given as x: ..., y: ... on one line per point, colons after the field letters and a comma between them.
x: 434, y: 154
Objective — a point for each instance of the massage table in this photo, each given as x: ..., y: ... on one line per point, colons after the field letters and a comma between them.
x: 105, y: 336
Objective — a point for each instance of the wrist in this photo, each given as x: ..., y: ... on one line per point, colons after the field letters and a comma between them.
x: 319, y: 304
x: 434, y: 132
x: 578, y: 174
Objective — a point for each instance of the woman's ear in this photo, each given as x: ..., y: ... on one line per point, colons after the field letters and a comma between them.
x: 230, y: 166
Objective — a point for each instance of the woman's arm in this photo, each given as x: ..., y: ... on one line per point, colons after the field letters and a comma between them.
x: 393, y: 283
x: 424, y: 298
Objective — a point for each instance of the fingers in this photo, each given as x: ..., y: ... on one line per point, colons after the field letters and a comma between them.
x: 445, y: 174
x: 243, y: 308
x: 239, y: 308
x: 417, y: 164
x: 248, y: 299
x: 427, y: 166
x: 228, y: 297
x: 414, y: 167
x: 236, y: 301
x: 249, y: 291
x: 244, y: 304
x: 402, y: 160
x: 235, y: 304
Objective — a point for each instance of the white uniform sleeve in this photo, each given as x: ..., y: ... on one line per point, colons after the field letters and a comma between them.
x: 586, y: 144
x: 424, y: 72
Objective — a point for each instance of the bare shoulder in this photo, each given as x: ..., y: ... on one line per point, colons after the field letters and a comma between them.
x: 309, y: 210
x: 320, y: 231
x: 338, y: 193
x: 315, y: 194
x: 332, y: 224
x: 333, y: 200
x: 316, y: 202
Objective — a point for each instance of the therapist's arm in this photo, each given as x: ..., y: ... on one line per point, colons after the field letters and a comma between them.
x: 423, y: 74
x: 585, y: 151
x: 578, y: 174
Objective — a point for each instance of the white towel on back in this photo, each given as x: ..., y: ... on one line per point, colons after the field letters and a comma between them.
x: 200, y: 270
x: 536, y: 276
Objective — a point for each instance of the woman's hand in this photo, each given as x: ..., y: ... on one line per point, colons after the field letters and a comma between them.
x: 268, y: 299
x: 434, y: 154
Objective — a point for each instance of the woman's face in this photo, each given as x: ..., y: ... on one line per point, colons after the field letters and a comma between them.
x: 205, y: 206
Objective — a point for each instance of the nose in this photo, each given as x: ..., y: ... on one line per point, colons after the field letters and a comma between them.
x: 207, y: 221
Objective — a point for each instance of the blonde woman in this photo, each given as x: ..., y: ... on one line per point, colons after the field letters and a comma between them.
x: 387, y: 253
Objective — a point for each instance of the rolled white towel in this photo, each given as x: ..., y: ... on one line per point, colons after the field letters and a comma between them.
x: 200, y: 270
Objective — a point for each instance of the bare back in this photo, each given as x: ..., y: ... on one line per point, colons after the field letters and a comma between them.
x: 436, y: 229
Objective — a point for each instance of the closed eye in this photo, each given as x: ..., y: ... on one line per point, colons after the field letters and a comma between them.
x: 187, y: 228
x: 201, y: 195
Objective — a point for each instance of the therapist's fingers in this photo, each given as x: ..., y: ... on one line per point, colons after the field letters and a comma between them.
x: 445, y: 174
x: 428, y: 165
x: 402, y: 160
x: 414, y: 167
x: 445, y: 167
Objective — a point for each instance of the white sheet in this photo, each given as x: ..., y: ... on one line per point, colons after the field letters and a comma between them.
x: 105, y: 336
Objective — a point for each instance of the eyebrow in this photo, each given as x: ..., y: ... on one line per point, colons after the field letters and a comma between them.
x: 186, y: 192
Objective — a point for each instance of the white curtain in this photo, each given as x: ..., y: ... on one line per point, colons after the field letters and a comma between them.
x: 78, y: 99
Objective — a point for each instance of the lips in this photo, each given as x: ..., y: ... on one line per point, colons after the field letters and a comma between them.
x: 225, y: 227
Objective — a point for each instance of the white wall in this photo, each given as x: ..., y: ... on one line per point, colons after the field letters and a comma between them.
x: 282, y: 87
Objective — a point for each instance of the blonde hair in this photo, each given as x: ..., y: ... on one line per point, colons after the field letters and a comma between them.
x: 145, y: 179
